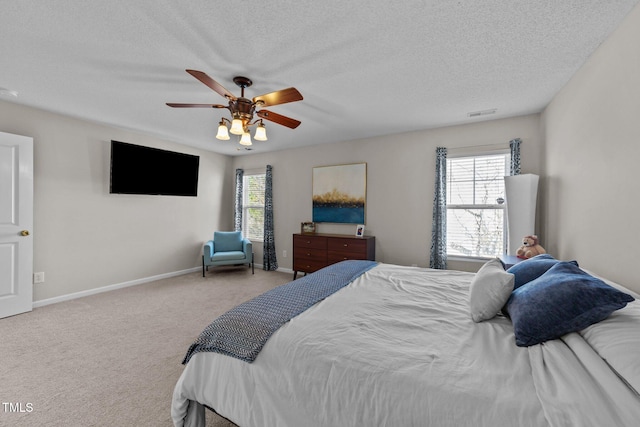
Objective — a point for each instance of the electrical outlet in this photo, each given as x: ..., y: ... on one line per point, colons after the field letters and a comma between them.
x: 38, y: 277
x: 284, y: 254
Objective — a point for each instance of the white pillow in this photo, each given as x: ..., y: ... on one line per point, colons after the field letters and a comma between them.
x: 489, y: 290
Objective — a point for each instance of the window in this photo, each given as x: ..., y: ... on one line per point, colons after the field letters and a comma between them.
x: 253, y: 206
x: 476, y: 220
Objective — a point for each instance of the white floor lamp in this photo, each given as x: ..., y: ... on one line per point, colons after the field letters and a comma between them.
x: 521, y: 194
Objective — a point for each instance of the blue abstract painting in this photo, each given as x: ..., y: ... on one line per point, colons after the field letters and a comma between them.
x: 339, y: 193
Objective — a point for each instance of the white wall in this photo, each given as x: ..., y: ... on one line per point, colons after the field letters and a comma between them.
x: 86, y: 238
x: 400, y: 183
x: 592, y: 132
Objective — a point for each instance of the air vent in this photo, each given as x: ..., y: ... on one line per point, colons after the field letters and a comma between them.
x: 482, y: 113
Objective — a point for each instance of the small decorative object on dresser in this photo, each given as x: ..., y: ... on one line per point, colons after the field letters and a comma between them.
x: 313, y: 252
x: 307, y: 227
x: 360, y: 230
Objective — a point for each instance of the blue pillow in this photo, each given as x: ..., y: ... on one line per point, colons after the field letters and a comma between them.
x: 562, y: 300
x: 532, y: 268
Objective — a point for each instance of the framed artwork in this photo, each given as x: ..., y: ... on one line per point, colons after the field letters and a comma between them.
x: 339, y: 193
x: 307, y: 227
x: 359, y: 230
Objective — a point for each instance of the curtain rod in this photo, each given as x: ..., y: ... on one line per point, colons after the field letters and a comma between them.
x: 485, y: 147
x: 498, y: 146
x: 255, y: 171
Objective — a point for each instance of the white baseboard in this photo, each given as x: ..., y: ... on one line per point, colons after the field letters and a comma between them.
x: 43, y: 302
x: 61, y: 298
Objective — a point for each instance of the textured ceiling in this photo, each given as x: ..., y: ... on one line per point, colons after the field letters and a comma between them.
x: 365, y: 68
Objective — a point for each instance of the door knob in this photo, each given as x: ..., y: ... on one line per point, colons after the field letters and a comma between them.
x: 24, y: 233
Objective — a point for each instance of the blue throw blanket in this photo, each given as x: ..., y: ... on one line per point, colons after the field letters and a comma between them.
x: 243, y: 331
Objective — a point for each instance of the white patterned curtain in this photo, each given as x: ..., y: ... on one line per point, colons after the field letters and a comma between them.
x: 269, y: 260
x: 237, y: 218
x: 439, y: 226
x: 514, y: 145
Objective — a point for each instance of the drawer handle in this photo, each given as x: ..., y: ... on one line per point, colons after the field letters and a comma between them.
x: 308, y: 254
x: 345, y: 245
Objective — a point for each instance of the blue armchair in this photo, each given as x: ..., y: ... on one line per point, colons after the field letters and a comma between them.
x: 227, y: 248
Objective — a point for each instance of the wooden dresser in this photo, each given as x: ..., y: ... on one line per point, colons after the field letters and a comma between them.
x: 312, y: 252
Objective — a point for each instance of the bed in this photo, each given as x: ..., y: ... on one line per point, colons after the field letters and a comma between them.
x: 407, y: 346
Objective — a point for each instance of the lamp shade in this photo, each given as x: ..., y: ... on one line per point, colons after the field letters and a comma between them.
x: 223, y: 132
x: 261, y: 133
x: 237, y: 128
x: 521, y: 195
x: 246, y: 139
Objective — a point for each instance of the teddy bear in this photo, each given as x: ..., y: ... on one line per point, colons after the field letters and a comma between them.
x: 530, y: 248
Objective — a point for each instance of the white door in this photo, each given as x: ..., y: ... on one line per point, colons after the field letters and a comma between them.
x: 16, y: 224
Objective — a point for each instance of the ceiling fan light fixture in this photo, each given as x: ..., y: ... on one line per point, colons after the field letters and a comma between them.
x: 246, y: 139
x: 243, y: 109
x: 237, y: 127
x: 261, y: 133
x: 223, y: 132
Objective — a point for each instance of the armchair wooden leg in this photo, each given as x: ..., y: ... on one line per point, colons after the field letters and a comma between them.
x: 252, y: 270
x: 202, y: 265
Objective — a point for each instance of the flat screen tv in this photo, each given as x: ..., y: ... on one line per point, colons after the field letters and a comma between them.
x: 144, y: 170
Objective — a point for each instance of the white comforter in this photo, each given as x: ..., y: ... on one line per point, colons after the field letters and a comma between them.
x: 397, y: 347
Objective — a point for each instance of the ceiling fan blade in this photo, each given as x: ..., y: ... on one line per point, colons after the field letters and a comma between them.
x: 178, y: 105
x: 279, y: 119
x: 279, y: 97
x: 204, y: 78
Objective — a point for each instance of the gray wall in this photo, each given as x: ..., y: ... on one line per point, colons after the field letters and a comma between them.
x: 86, y: 238
x: 592, y: 132
x: 400, y: 182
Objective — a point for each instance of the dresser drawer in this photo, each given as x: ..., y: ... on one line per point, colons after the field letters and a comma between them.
x: 316, y: 242
x: 336, y: 256
x: 308, y: 265
x: 310, y: 253
x: 350, y: 246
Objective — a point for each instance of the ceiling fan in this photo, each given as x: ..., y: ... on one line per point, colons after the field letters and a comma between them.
x: 243, y: 109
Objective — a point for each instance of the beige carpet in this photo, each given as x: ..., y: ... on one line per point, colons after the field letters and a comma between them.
x: 113, y: 359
